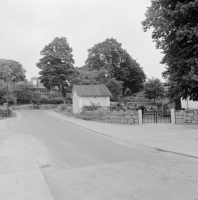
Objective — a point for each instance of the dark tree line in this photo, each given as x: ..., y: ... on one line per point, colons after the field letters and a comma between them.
x: 175, y: 31
x: 107, y: 63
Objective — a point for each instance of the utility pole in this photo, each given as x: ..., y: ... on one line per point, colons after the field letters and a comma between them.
x: 187, y: 104
x: 7, y: 99
x: 37, y: 92
x: 7, y: 91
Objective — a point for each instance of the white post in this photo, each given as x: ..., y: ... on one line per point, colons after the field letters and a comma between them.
x: 172, y: 116
x: 139, y: 117
x: 187, y: 104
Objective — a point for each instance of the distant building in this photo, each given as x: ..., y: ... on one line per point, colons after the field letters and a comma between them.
x: 86, y: 95
x: 189, y: 104
x: 179, y: 104
x: 38, y: 86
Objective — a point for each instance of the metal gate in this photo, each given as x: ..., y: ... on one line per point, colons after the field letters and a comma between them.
x: 153, y: 116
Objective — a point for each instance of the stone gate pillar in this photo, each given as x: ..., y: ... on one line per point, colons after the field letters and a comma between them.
x: 172, y: 116
x: 139, y: 117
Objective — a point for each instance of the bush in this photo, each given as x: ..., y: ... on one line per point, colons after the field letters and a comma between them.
x: 93, y: 106
x: 44, y: 98
x: 62, y: 107
x: 3, y: 111
x: 141, y: 107
x: 65, y: 107
x: 117, y: 107
x: 159, y: 104
x: 56, y: 100
x: 90, y: 108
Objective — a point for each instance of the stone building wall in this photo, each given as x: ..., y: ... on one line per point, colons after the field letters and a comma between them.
x: 118, y: 117
x: 186, y: 117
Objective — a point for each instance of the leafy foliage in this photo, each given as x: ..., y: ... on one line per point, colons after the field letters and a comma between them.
x: 57, y: 65
x: 11, y: 71
x: 109, y: 56
x: 23, y: 92
x: 62, y: 107
x: 176, y: 33
x: 115, y: 87
x: 93, y: 77
x: 154, y: 89
x: 138, y: 97
x: 43, y: 98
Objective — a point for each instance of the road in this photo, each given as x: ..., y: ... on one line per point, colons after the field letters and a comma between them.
x: 81, y: 164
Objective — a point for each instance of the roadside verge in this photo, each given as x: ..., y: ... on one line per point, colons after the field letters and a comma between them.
x: 20, y: 175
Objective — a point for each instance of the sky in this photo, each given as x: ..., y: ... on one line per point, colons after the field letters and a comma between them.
x: 26, y: 26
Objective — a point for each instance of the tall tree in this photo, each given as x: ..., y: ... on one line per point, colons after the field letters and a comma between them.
x: 175, y: 31
x: 154, y: 89
x: 110, y: 56
x: 11, y: 70
x: 92, y: 77
x: 57, y: 65
x: 115, y: 88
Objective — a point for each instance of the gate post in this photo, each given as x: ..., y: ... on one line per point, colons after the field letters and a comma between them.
x: 139, y: 117
x: 172, y: 116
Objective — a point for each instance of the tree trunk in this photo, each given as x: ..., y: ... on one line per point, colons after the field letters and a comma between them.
x: 120, y: 100
x: 64, y: 101
x: 178, y: 105
x: 63, y: 94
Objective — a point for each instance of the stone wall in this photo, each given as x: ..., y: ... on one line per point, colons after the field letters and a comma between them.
x: 186, y: 117
x: 118, y: 117
x: 33, y: 107
x: 47, y: 106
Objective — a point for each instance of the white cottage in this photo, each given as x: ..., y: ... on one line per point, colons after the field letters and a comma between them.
x: 189, y: 104
x: 84, y: 95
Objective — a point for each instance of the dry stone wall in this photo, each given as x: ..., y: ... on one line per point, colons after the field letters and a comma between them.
x: 33, y: 107
x: 186, y: 117
x: 117, y: 117
x: 47, y: 106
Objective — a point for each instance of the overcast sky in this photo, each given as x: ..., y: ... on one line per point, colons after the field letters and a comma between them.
x: 28, y: 25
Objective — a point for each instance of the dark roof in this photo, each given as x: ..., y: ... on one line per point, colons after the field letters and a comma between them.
x: 91, y: 90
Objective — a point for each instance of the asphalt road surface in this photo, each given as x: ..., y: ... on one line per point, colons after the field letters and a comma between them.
x: 79, y: 164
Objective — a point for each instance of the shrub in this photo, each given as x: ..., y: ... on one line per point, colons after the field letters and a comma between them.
x: 89, y: 108
x: 56, y: 100
x: 65, y: 107
x: 62, y: 107
x: 3, y: 111
x: 159, y: 104
x: 141, y: 107
x: 93, y: 106
x: 117, y: 107
x: 44, y: 98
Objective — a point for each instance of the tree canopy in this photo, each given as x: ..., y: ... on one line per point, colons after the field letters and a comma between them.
x: 115, y: 88
x: 154, y: 89
x: 175, y: 31
x: 93, y: 77
x: 11, y: 70
x: 57, y: 65
x: 23, y: 92
x: 118, y: 64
